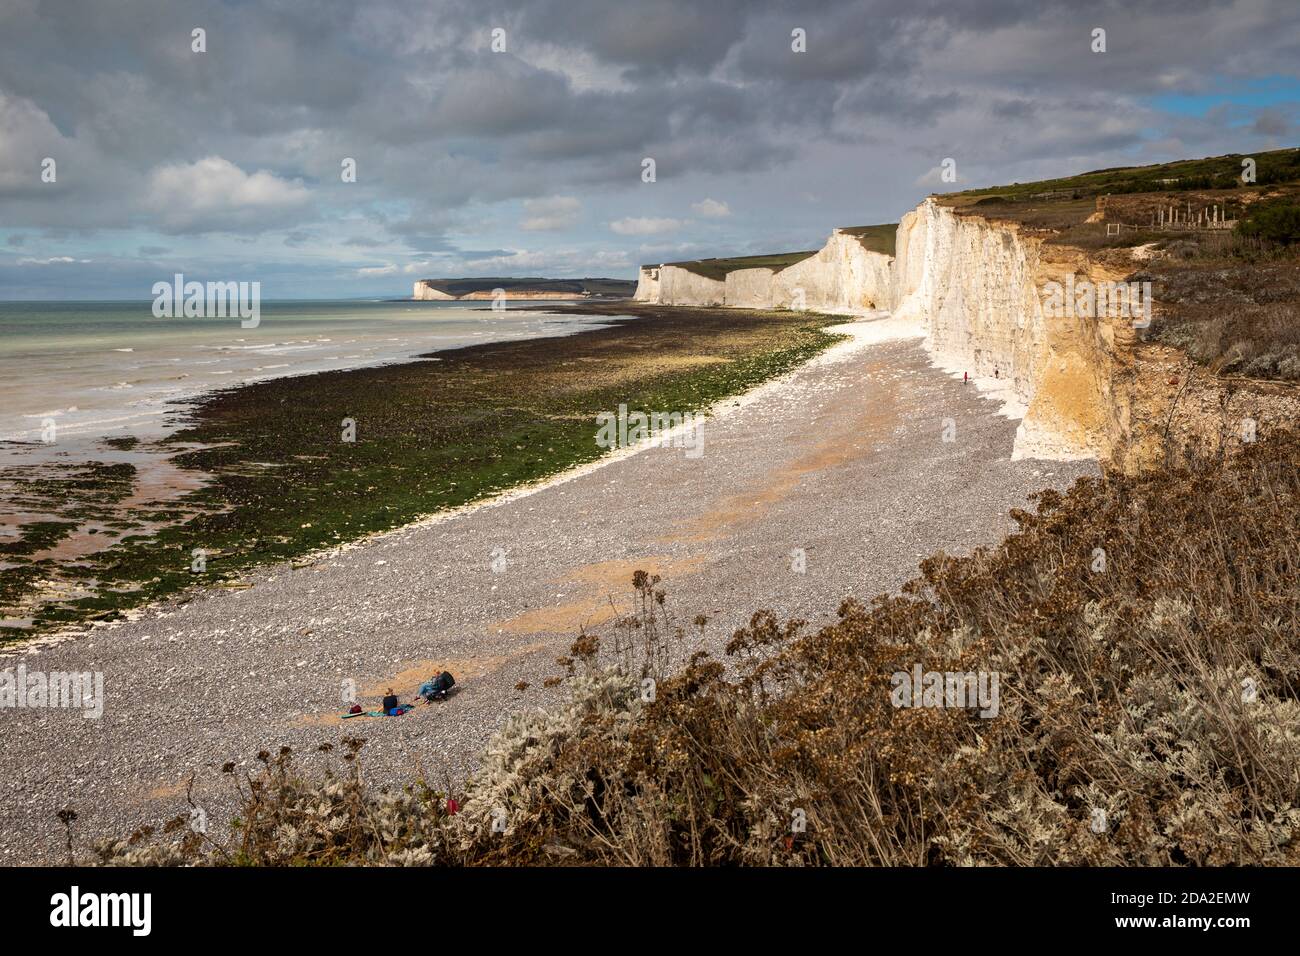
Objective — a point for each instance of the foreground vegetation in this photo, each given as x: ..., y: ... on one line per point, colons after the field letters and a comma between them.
x: 1146, y: 631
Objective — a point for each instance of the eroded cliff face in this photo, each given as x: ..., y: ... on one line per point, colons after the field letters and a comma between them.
x: 751, y: 289
x: 842, y: 277
x: 975, y: 287
x: 647, y: 285
x: 678, y: 286
x: 424, y: 290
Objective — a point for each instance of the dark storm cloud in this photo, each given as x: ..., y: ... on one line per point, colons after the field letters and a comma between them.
x: 1272, y: 123
x: 649, y: 39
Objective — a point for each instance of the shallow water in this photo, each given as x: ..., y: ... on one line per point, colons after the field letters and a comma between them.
x: 75, y: 374
x: 105, y: 369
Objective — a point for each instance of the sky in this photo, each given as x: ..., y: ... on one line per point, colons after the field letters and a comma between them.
x: 496, y: 138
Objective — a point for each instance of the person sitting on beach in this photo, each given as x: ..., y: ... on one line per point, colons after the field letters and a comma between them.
x: 437, y: 687
x: 390, y: 701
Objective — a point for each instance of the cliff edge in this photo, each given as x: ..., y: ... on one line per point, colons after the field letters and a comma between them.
x: 1042, y: 293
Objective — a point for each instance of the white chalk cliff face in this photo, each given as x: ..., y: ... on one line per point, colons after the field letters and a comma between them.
x: 678, y: 286
x: 841, y: 277
x: 647, y: 285
x: 425, y: 290
x: 973, y: 288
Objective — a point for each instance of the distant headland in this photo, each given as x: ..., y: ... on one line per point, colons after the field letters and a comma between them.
x: 525, y: 288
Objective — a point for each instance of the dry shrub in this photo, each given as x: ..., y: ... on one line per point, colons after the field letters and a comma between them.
x: 1235, y: 316
x: 289, y: 819
x: 1123, y: 691
x: 1157, y: 696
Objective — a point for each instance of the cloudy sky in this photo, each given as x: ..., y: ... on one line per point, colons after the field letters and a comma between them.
x: 229, y: 163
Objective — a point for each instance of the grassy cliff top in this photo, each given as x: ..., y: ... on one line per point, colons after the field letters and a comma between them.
x: 718, y: 268
x: 1121, y: 207
x: 1212, y: 172
x: 879, y: 238
x: 1226, y: 296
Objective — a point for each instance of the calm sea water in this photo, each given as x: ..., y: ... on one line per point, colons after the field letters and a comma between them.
x: 101, y: 369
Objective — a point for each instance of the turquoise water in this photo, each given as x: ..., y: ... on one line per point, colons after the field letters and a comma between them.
x: 102, y: 369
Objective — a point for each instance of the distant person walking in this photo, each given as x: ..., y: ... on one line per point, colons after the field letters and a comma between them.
x: 965, y: 377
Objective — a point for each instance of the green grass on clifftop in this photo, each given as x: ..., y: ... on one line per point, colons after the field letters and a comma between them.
x: 875, y: 238
x: 717, y: 269
x: 878, y: 238
x: 1213, y: 172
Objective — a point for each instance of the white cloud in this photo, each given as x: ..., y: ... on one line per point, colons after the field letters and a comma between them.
x: 554, y: 212
x: 645, y: 226
x: 673, y: 250
x: 711, y: 209
x: 551, y: 262
x: 215, y: 195
x: 369, y: 271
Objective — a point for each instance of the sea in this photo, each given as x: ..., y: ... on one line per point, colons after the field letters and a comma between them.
x: 81, y: 371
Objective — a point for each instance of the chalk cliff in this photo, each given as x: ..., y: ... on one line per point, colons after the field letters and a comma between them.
x: 647, y: 285
x: 843, y: 276
x: 976, y: 288
x: 424, y: 290
x: 681, y: 286
x: 973, y: 287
